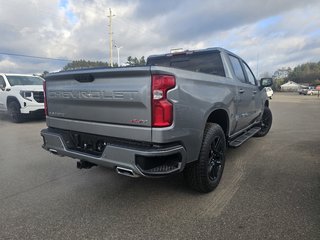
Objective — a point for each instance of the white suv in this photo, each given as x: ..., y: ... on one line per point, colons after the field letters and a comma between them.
x: 21, y: 95
x: 269, y: 92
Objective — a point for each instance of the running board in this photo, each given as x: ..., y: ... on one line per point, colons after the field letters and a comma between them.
x: 244, y: 137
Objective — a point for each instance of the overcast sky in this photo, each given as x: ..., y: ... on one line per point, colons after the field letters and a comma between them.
x: 268, y: 34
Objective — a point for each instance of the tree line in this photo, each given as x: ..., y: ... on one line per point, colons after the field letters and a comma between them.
x: 80, y: 64
x: 305, y: 73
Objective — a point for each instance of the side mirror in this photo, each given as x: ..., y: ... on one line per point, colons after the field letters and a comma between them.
x: 265, y: 82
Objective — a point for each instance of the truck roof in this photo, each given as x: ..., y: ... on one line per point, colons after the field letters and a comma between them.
x: 212, y: 49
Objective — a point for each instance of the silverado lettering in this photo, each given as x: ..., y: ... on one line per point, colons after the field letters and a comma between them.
x: 117, y: 95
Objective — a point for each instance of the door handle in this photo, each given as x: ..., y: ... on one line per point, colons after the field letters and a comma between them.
x: 241, y: 91
x: 254, y: 92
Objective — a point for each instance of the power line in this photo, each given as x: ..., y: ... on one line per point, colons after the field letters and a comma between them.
x: 37, y: 57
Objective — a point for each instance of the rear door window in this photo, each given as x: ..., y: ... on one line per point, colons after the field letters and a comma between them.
x: 2, y: 82
x: 250, y: 75
x: 238, y: 71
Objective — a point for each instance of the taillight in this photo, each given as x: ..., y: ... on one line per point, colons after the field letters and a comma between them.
x: 162, y: 109
x: 45, y: 98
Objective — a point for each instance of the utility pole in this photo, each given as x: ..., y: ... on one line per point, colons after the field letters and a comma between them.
x: 110, y: 37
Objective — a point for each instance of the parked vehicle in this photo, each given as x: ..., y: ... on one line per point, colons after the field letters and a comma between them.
x: 21, y: 95
x: 313, y: 92
x: 178, y: 113
x: 269, y: 92
x: 303, y: 90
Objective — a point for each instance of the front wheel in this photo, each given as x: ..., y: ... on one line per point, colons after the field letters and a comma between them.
x: 266, y: 123
x: 204, y: 174
x: 14, y: 112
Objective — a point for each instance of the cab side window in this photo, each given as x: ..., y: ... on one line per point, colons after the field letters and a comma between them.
x: 2, y: 83
x: 251, y: 78
x: 237, y: 68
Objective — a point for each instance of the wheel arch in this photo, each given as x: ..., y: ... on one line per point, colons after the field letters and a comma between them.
x: 220, y: 117
x: 12, y: 99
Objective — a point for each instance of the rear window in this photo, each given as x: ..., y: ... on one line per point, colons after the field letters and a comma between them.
x: 204, y: 62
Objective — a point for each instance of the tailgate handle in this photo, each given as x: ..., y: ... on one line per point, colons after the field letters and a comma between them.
x: 84, y: 78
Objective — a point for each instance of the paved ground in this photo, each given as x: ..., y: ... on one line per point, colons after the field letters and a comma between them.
x: 270, y: 189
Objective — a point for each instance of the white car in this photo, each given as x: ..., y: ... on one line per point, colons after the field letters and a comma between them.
x: 313, y: 92
x: 21, y: 95
x: 269, y: 92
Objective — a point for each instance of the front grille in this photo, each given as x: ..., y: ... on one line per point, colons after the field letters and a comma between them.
x: 38, y: 96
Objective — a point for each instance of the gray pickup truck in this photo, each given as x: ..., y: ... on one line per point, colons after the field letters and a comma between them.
x: 178, y: 113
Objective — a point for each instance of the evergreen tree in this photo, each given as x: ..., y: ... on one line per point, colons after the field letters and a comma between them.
x: 80, y: 64
x: 135, y: 61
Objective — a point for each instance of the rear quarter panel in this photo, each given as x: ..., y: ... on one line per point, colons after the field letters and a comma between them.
x: 195, y: 97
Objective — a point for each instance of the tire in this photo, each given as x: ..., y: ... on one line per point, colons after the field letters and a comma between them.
x: 266, y: 123
x: 204, y: 174
x: 14, y: 112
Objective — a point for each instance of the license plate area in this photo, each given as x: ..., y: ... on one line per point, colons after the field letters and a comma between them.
x: 86, y: 143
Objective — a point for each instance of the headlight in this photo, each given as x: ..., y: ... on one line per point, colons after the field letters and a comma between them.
x: 26, y: 95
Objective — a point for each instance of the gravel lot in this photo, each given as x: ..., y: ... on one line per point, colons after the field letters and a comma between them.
x: 270, y: 189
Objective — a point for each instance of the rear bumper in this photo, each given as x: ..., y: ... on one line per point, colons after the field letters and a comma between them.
x: 151, y: 161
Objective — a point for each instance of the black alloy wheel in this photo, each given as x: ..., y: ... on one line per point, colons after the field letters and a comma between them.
x: 215, y: 159
x: 266, y: 123
x: 205, y: 174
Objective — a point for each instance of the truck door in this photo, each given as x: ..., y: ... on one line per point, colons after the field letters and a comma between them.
x: 2, y: 93
x: 256, y: 93
x: 246, y: 95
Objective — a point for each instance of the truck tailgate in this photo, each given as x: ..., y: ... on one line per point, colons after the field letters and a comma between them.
x: 118, y: 96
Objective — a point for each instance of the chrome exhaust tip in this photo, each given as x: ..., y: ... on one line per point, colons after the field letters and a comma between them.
x: 53, y: 151
x: 126, y: 171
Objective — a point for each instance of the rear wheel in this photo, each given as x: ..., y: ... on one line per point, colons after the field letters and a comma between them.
x: 266, y: 123
x: 14, y: 112
x: 204, y: 175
